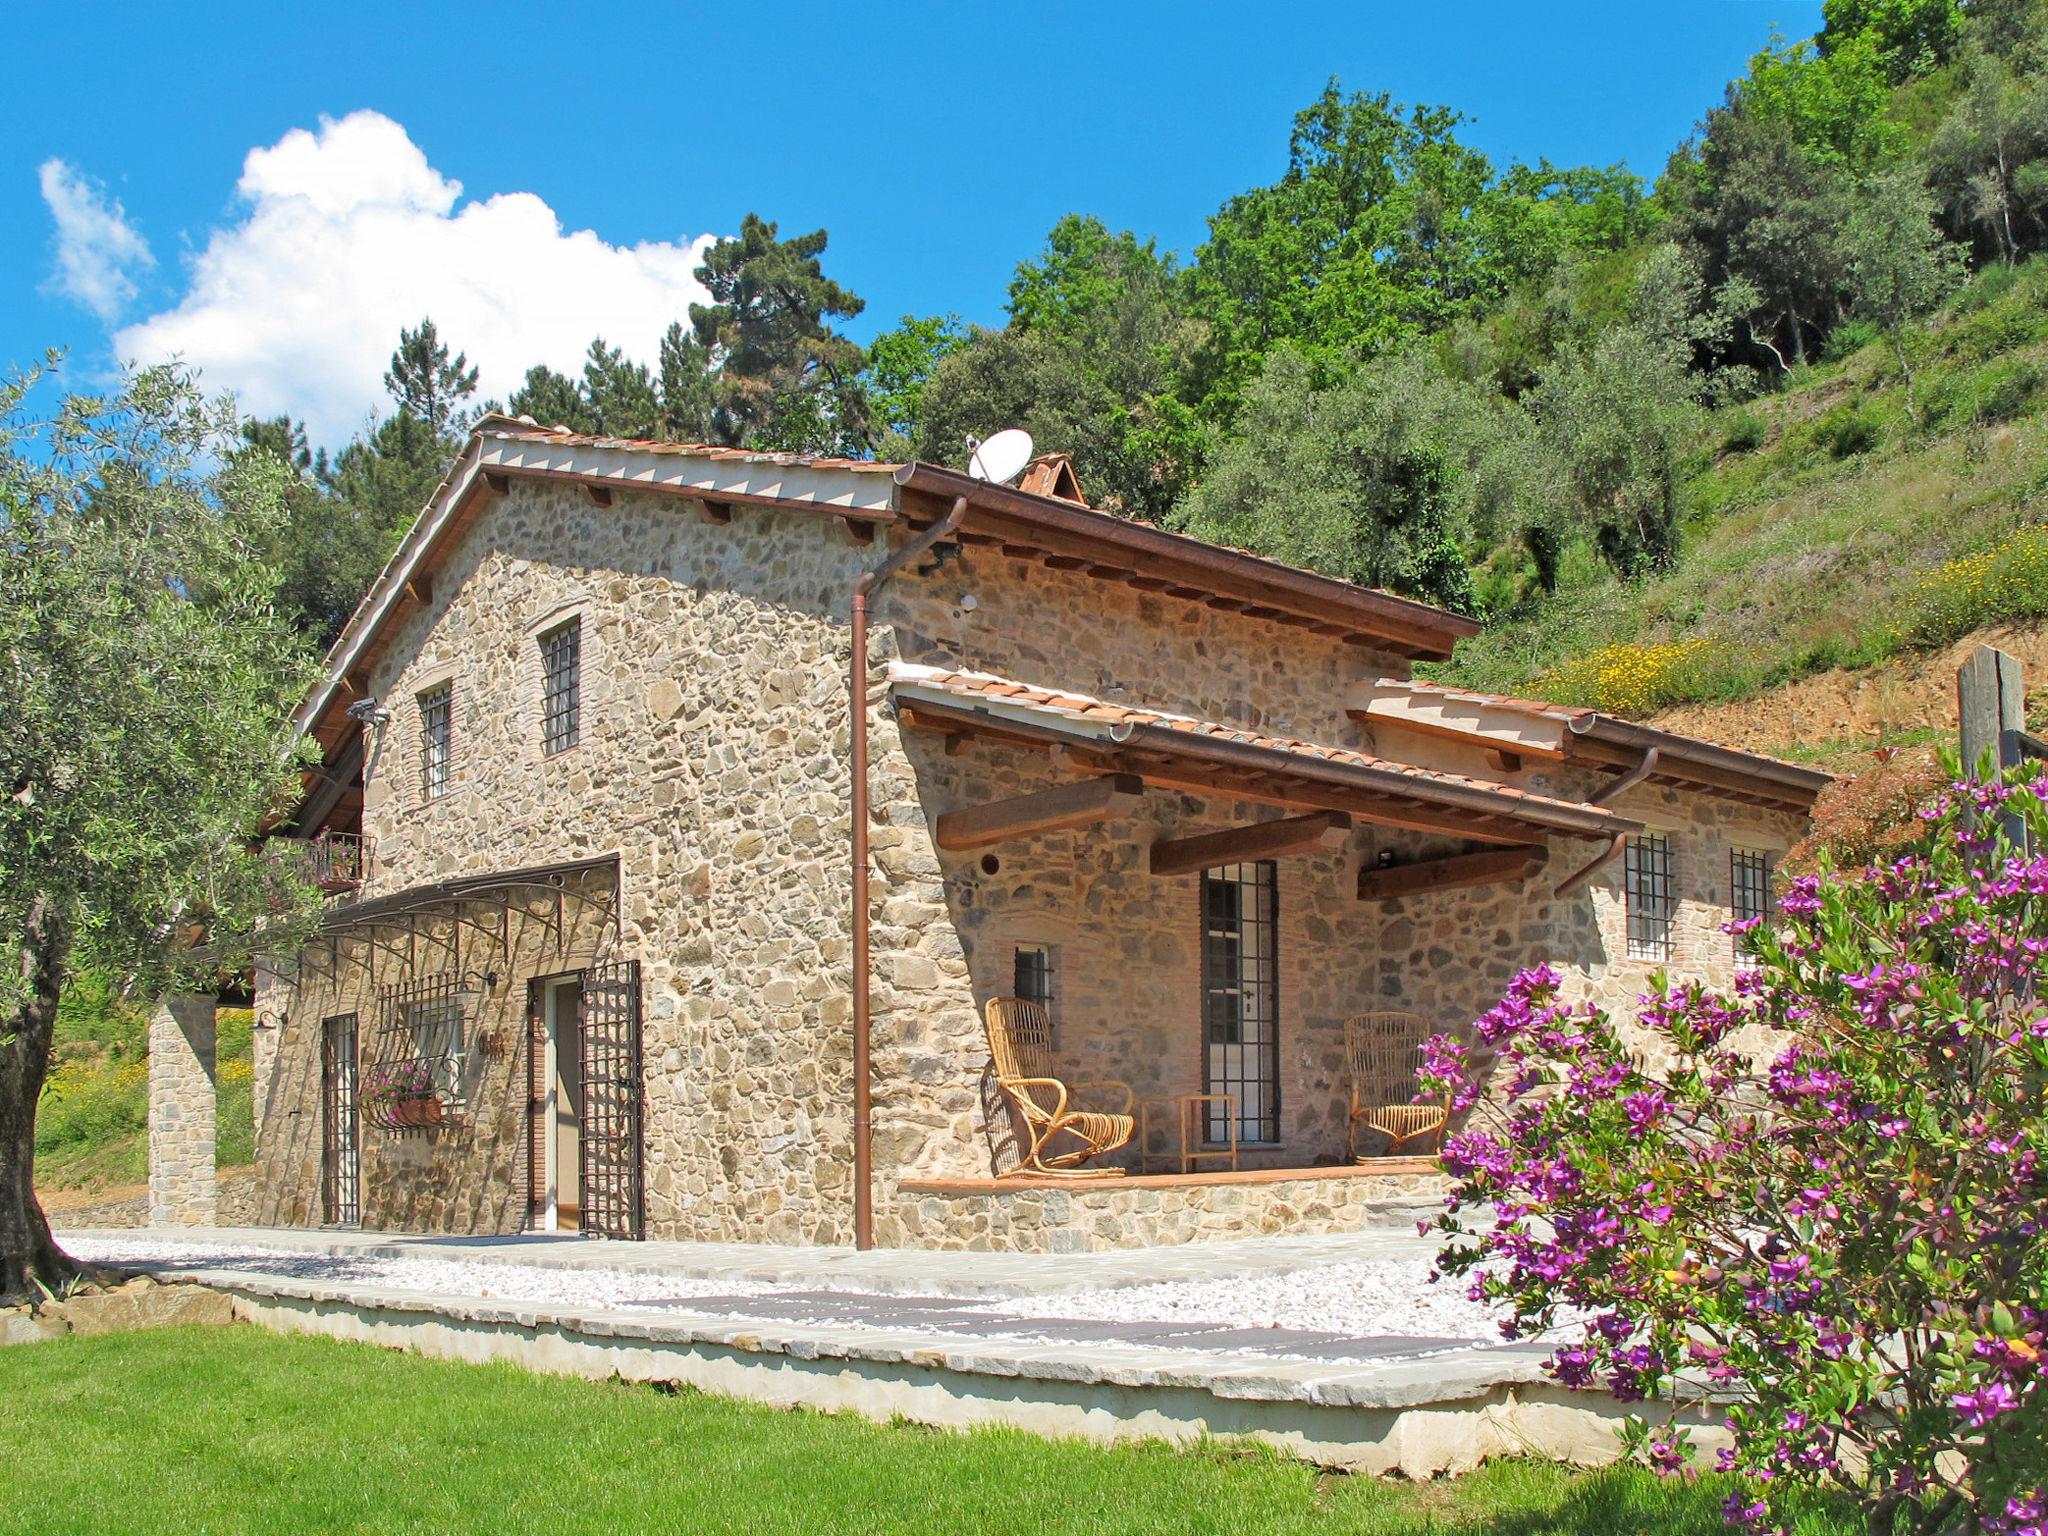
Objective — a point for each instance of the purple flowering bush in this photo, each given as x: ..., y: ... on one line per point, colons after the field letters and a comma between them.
x: 1816, y: 1204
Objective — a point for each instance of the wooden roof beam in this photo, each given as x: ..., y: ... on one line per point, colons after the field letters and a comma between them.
x: 1079, y: 804
x: 1317, y: 832
x: 1457, y: 871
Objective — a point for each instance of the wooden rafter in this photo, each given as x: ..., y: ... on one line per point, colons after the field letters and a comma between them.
x: 1047, y: 810
x: 1451, y: 873
x: 1317, y: 832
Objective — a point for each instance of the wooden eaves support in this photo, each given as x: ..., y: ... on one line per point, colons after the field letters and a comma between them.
x: 1453, y: 872
x: 1319, y: 831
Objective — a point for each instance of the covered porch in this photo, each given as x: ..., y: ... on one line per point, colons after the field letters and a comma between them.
x: 1200, y: 910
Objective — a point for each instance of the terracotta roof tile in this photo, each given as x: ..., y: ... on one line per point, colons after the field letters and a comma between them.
x: 971, y: 685
x: 515, y: 430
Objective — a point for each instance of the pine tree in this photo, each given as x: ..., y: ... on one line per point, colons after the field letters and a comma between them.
x: 551, y: 399
x: 427, y: 384
x: 686, y: 387
x: 618, y: 395
x: 785, y: 378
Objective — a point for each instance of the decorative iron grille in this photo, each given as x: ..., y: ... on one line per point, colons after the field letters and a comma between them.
x: 610, y: 1188
x: 1652, y: 902
x: 1031, y: 974
x: 340, y: 861
x: 561, y: 655
x: 437, y: 740
x: 414, y: 1079
x: 1241, y: 998
x: 1749, y: 889
x: 341, y: 1179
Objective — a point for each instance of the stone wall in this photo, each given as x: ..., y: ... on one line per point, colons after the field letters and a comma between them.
x: 712, y: 764
x: 1091, y: 1217
x: 181, y: 1112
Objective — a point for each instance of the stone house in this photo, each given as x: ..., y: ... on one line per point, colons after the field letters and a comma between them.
x: 587, y: 810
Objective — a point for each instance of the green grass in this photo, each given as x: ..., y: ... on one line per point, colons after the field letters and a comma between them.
x: 1812, y: 517
x: 237, y: 1430
x: 92, y: 1123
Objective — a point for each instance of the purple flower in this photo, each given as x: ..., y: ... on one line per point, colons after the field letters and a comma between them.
x: 1980, y: 1407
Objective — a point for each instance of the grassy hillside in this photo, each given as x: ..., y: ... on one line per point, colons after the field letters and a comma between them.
x: 92, y: 1123
x: 1824, y: 526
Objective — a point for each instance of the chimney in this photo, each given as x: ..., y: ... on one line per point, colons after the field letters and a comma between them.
x: 1052, y: 474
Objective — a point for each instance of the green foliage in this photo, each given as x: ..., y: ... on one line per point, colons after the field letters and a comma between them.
x: 785, y: 378
x: 1849, y: 429
x: 427, y: 383
x: 619, y: 396
x: 1900, y: 265
x: 151, y: 678
x: 1834, y: 103
x: 551, y: 400
x: 1360, y: 477
x: 1743, y: 432
x: 2007, y: 581
x: 900, y: 363
x: 1988, y: 160
x: 1908, y: 37
x: 311, y: 1435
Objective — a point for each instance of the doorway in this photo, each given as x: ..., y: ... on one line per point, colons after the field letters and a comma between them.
x: 341, y: 1168
x: 562, y: 1114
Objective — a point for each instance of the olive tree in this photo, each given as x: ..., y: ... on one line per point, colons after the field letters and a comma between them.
x: 148, y: 678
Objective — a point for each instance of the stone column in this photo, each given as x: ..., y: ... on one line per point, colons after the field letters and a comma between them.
x: 181, y: 1111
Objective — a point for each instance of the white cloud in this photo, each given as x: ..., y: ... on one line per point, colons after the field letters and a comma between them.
x: 349, y: 234
x: 98, y: 252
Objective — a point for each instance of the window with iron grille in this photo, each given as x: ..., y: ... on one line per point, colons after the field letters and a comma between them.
x: 437, y: 740
x: 1749, y: 890
x: 561, y: 659
x: 1031, y: 975
x: 433, y: 1025
x: 1652, y: 902
x: 1241, y: 998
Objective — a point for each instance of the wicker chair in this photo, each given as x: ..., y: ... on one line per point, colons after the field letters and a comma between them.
x: 1020, y: 1041
x: 1384, y: 1051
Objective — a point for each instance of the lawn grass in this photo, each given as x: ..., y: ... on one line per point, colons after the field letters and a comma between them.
x: 232, y: 1430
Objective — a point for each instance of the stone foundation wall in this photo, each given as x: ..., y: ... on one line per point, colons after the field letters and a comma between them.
x: 1090, y: 1217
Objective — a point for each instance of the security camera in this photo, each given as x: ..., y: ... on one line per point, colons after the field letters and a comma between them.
x: 369, y: 712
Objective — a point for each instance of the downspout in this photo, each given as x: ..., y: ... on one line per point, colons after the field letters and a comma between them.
x: 857, y: 695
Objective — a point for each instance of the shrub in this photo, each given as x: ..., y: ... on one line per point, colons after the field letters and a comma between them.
x: 1628, y: 679
x: 1744, y: 433
x: 2005, y: 390
x: 1868, y: 815
x: 1847, y: 339
x: 1848, y: 430
x: 1835, y: 1228
x: 2007, y: 581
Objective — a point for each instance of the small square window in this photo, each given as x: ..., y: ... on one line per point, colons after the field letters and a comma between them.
x: 437, y: 740
x: 561, y: 658
x: 1749, y: 894
x: 1652, y: 901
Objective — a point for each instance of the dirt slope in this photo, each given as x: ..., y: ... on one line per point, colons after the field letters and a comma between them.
x: 1845, y: 710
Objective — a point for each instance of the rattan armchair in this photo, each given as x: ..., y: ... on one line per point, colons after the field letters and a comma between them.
x: 1020, y: 1042
x: 1384, y: 1051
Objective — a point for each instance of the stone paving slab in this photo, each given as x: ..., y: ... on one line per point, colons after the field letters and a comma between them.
x: 1394, y: 1380
x: 881, y: 1272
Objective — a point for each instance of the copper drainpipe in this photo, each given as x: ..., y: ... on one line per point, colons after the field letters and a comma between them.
x: 857, y: 691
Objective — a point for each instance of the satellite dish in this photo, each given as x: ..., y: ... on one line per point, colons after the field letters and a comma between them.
x: 1002, y: 457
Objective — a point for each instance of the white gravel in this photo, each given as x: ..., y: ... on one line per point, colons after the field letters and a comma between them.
x: 1356, y: 1298
x: 1362, y: 1298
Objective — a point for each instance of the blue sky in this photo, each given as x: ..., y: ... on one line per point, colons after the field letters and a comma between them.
x: 937, y: 143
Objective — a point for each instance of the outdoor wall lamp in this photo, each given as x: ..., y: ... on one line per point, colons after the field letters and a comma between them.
x: 368, y: 712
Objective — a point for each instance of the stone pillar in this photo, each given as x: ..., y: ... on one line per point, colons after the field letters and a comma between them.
x: 181, y: 1111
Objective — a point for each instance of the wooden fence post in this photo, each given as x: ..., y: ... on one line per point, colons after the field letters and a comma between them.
x: 1991, y: 699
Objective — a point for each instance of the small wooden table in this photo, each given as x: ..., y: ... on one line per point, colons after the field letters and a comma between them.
x: 1186, y: 1109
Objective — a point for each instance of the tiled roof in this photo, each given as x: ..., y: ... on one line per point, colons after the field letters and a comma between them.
x: 1068, y: 704
x: 1540, y: 708
x: 517, y: 429
x: 1578, y: 719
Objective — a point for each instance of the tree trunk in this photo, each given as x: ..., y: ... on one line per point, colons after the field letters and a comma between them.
x: 26, y: 1250
x: 1905, y: 369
